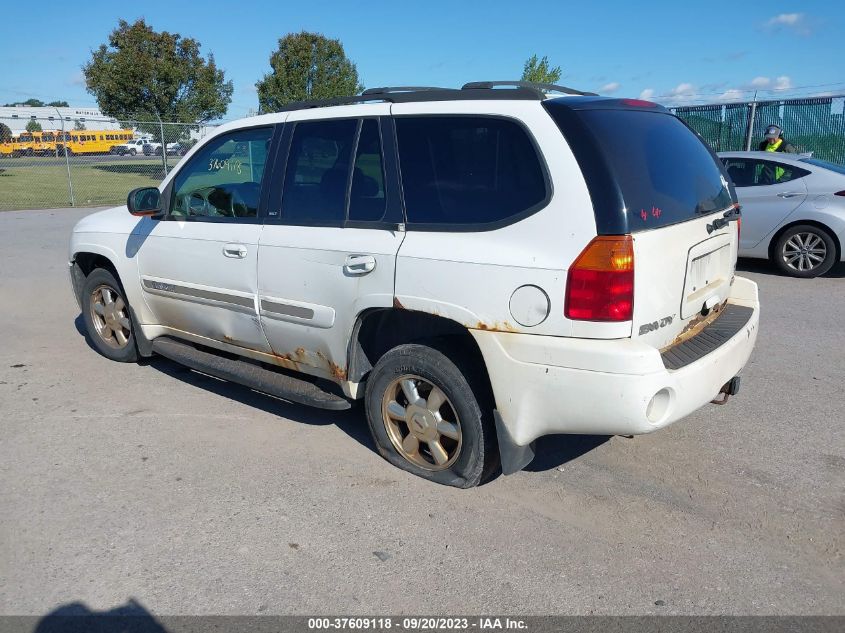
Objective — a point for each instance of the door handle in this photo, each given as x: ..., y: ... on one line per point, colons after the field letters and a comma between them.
x: 359, y: 264
x: 788, y: 194
x: 237, y: 251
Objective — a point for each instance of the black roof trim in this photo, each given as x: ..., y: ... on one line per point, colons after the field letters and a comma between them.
x: 393, y: 89
x: 540, y: 88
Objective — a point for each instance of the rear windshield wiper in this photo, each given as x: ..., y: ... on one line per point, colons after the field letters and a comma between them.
x: 731, y: 215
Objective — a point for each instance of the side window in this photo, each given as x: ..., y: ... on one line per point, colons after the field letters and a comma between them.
x: 367, y: 196
x: 467, y: 170
x: 768, y: 172
x: 741, y: 171
x: 223, y: 180
x: 317, y: 172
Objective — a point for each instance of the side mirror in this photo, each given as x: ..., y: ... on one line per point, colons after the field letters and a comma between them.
x: 144, y: 201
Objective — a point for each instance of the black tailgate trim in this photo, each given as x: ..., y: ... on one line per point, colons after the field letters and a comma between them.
x: 712, y: 337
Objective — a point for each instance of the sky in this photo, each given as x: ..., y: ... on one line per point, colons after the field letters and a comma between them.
x: 675, y: 53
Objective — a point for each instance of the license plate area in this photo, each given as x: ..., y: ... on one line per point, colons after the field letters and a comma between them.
x: 708, y: 275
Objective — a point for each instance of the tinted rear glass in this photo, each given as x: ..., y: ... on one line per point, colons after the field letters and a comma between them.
x: 467, y: 171
x: 839, y: 169
x: 663, y: 172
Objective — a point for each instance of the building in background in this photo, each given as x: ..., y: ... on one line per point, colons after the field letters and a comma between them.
x: 50, y: 118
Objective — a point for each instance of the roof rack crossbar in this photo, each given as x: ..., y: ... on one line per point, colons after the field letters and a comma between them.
x: 539, y: 87
x: 391, y: 89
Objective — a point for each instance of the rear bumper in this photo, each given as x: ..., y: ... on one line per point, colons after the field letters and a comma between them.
x: 546, y: 385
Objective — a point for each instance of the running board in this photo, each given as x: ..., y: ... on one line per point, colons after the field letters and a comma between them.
x: 249, y: 375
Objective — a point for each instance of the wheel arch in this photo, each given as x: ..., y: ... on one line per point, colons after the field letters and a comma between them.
x: 83, y: 263
x: 378, y: 330
x: 820, y: 225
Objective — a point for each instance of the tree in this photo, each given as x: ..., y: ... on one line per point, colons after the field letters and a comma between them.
x: 538, y: 71
x: 78, y: 125
x: 37, y: 103
x: 5, y: 132
x: 145, y: 74
x: 33, y: 126
x: 307, y: 66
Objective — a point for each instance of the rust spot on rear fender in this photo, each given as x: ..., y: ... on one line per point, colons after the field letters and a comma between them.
x: 398, y: 304
x: 496, y: 326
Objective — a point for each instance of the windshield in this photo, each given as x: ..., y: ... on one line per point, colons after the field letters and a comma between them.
x: 839, y: 169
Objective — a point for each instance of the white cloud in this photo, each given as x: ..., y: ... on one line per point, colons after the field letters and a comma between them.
x: 794, y: 21
x: 789, y: 19
x: 647, y: 94
x: 77, y: 79
x: 783, y: 83
x: 732, y: 94
x: 760, y: 82
x: 682, y: 90
x: 613, y: 86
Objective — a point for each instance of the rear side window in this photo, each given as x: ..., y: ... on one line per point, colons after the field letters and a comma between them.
x: 644, y: 169
x: 467, y: 171
x: 751, y: 172
x: 317, y: 172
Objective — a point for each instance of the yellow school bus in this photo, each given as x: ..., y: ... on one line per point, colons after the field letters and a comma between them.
x: 92, y: 141
x: 20, y: 145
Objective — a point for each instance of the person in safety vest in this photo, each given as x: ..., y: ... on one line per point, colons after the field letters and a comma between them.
x: 773, y: 141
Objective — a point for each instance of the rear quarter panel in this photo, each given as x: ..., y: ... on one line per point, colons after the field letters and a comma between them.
x: 470, y: 276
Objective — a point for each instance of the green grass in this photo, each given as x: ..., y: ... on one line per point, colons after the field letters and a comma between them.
x: 41, y: 183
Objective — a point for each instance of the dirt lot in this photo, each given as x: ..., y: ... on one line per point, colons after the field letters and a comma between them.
x: 191, y: 496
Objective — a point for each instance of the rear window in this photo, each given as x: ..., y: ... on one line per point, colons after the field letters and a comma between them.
x: 644, y: 169
x: 839, y: 169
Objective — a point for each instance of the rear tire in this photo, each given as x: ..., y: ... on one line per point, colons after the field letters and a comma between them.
x: 805, y: 251
x: 132, y: 152
x: 425, y: 417
x: 108, y: 320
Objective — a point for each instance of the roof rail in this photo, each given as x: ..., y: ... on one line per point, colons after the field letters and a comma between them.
x: 334, y: 101
x: 394, y: 89
x: 478, y: 90
x: 540, y: 88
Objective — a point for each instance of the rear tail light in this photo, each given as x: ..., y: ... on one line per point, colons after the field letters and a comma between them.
x: 840, y: 193
x: 600, y: 284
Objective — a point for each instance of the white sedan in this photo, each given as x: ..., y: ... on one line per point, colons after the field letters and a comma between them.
x: 793, y: 209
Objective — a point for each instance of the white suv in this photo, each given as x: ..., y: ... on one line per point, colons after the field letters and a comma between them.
x: 481, y: 266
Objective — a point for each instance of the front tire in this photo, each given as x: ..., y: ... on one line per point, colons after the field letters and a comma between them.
x: 805, y: 251
x: 107, y: 317
x: 426, y: 418
x: 132, y: 152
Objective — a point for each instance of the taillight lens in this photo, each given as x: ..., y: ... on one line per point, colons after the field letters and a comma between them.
x: 600, y: 285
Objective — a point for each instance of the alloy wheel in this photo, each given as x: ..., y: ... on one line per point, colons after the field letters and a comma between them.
x: 110, y: 317
x: 421, y: 423
x: 804, y: 251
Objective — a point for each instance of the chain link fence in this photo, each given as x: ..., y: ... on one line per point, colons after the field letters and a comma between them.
x: 87, y: 161
x: 814, y: 124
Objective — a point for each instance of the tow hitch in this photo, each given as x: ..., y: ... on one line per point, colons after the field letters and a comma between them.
x: 730, y: 388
